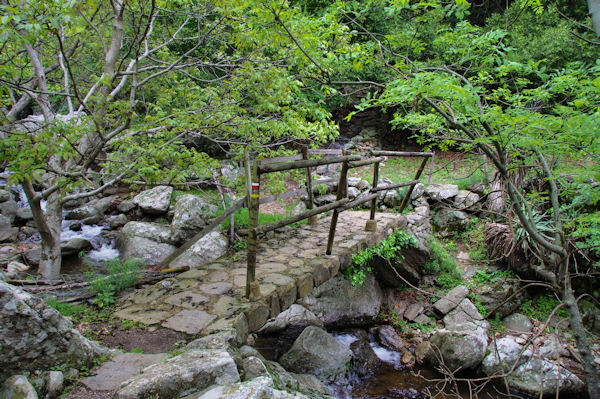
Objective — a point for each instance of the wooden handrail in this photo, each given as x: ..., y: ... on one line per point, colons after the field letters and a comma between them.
x: 401, y: 153
x: 280, y: 167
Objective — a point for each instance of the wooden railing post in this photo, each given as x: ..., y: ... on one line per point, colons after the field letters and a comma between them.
x: 372, y: 223
x: 412, y: 186
x: 341, y: 193
x: 309, y: 189
x: 253, y: 189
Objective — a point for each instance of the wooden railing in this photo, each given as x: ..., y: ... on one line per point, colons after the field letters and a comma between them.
x: 256, y: 168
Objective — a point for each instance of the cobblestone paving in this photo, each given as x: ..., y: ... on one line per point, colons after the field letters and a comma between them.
x: 290, y: 263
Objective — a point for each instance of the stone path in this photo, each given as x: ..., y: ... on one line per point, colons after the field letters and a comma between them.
x: 290, y: 263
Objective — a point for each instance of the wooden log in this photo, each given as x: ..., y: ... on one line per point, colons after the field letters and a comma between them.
x: 312, y: 220
x: 283, y: 166
x: 325, y: 151
x: 374, y: 201
x: 205, y: 231
x: 412, y: 186
x: 401, y: 153
x: 341, y: 192
x: 253, y: 181
x: 364, y: 162
x: 392, y: 186
x: 304, y: 215
x: 358, y: 201
x: 269, y: 161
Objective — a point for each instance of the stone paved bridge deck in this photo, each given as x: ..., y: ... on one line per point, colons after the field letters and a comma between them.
x: 289, y: 265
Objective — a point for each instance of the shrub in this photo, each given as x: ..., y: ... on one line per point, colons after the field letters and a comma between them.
x: 121, y: 275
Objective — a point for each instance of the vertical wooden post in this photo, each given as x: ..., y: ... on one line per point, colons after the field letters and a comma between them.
x: 372, y: 223
x: 412, y: 186
x: 309, y: 189
x: 341, y: 193
x: 253, y: 189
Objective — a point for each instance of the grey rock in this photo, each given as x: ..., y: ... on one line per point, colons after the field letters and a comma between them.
x: 13, y: 268
x: 391, y: 198
x: 102, y: 204
x: 54, y: 386
x: 193, y: 369
x: 502, y: 295
x: 9, y: 209
x: 143, y: 249
x: 254, y: 367
x: 408, y: 265
x: 117, y: 221
x: 413, y: 311
x: 517, y: 322
x: 6, y: 232
x: 451, y: 299
x: 190, y: 215
x: 463, y: 343
x: 418, y: 191
x: 353, y: 192
x: 532, y: 373
x: 258, y: 388
x: 5, y: 195
x: 466, y: 199
x: 364, y: 360
x: 296, y: 316
x: 125, y: 206
x: 154, y: 201
x: 34, y: 336
x: 452, y: 219
x: 325, y: 199
x: 318, y: 353
x: 354, y: 181
x: 85, y: 212
x: 209, y: 248
x: 299, y: 208
x: 151, y: 231
x: 33, y: 256
x: 389, y: 338
x: 17, y: 387
x: 74, y: 245
x: 440, y: 192
x: 337, y: 303
x: 305, y: 383
x: 23, y: 215
x: 120, y: 369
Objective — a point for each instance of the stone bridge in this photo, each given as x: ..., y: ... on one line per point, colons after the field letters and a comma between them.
x: 290, y: 263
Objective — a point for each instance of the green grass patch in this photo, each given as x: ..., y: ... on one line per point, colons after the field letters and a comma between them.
x: 443, y: 264
x: 541, y: 307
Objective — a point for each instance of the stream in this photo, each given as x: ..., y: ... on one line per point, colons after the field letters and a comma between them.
x: 392, y: 381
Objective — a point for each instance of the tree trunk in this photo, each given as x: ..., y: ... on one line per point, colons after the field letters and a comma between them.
x: 495, y: 201
x: 48, y: 222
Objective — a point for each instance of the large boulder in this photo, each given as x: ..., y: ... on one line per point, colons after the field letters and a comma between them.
x: 318, y: 353
x: 462, y: 344
x: 451, y: 299
x: 192, y: 370
x: 205, y: 250
x: 9, y: 209
x: 151, y: 231
x: 303, y: 383
x: 446, y: 218
x: 407, y: 266
x: 502, y: 295
x: 144, y: 250
x: 154, y: 201
x: 440, y: 192
x: 296, y: 316
x: 17, y: 387
x: 190, y: 215
x: 466, y: 199
x: 531, y: 372
x: 87, y: 213
x: 74, y: 245
x: 34, y: 336
x: 337, y: 303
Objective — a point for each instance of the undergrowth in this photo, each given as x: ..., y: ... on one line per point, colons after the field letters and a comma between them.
x: 389, y: 249
x: 443, y: 264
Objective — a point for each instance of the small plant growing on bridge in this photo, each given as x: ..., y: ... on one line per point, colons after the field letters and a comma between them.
x: 389, y: 249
